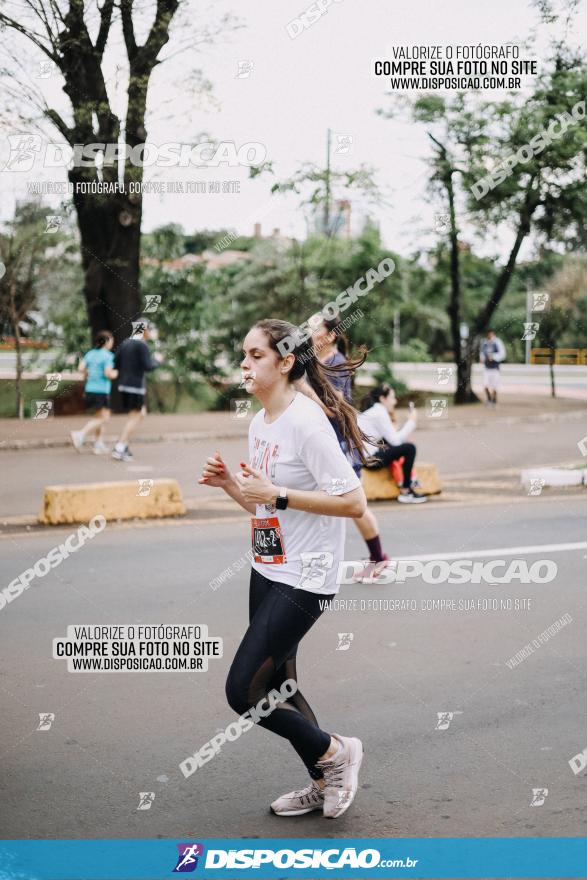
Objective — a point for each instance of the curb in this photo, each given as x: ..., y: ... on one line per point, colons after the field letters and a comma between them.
x: 454, y: 494
x: 115, y: 500
x: 29, y: 524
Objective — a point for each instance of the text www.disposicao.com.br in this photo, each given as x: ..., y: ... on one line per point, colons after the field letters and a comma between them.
x: 109, y: 664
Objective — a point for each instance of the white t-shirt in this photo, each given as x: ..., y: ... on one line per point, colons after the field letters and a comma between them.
x: 376, y: 423
x: 299, y: 450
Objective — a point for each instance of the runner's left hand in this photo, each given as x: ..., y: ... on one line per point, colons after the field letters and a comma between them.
x: 256, y: 486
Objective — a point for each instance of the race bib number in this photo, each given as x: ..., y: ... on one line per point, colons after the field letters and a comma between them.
x: 267, y: 540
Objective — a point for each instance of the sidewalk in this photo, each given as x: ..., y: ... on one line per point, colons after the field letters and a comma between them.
x: 156, y: 428
x: 160, y: 428
x: 479, y: 452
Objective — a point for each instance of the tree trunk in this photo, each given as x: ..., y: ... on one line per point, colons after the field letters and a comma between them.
x: 18, y: 352
x: 551, y: 356
x: 464, y: 392
x: 18, y: 383
x: 176, y: 396
x: 109, y: 223
x: 462, y: 350
x: 110, y: 230
x: 531, y: 202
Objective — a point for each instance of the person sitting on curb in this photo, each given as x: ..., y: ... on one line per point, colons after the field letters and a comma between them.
x: 388, y: 443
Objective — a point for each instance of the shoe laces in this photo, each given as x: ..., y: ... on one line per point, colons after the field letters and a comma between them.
x: 333, y: 775
x: 311, y: 792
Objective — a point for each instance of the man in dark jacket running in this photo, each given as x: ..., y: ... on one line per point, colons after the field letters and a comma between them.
x: 133, y: 359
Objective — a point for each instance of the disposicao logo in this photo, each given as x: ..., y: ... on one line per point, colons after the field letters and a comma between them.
x: 188, y: 857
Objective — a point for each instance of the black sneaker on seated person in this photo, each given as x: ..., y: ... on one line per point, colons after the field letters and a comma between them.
x: 408, y: 496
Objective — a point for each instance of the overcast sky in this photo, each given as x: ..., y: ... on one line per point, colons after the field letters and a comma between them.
x: 296, y: 90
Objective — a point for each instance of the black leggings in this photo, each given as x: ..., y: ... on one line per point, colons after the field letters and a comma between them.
x: 387, y: 454
x: 279, y: 617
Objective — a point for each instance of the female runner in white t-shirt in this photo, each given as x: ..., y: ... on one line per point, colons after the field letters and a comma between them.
x: 299, y: 487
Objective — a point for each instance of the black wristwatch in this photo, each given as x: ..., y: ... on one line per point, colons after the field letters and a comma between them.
x: 282, y: 499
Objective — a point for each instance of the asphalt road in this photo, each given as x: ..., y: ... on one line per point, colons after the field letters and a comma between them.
x: 116, y: 735
x: 571, y: 379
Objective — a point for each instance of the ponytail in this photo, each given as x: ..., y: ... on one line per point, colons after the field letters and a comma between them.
x: 317, y: 377
x: 102, y: 338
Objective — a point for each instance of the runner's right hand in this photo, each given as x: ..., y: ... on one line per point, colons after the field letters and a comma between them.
x: 215, y: 472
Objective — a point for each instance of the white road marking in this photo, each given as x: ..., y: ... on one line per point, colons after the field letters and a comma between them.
x: 500, y: 551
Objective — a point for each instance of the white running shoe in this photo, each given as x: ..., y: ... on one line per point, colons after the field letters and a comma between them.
x: 296, y: 803
x: 372, y: 571
x: 101, y: 448
x: 77, y: 438
x: 341, y: 775
x: 122, y: 454
x: 411, y: 497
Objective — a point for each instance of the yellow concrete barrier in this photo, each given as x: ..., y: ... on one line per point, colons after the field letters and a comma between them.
x: 120, y: 500
x: 380, y: 485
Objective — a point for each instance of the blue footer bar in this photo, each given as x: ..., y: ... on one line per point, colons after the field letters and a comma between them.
x: 284, y: 858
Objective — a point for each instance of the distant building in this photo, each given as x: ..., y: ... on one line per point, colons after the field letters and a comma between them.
x: 221, y: 254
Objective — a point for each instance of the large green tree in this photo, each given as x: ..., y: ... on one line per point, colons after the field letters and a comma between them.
x: 29, y: 257
x: 186, y: 314
x: 74, y: 36
x: 567, y: 290
x: 294, y: 281
x: 543, y: 198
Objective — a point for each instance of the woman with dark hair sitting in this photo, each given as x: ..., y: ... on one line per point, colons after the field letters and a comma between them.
x: 388, y: 443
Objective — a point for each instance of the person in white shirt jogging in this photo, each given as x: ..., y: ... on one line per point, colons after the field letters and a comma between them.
x: 298, y: 487
x: 376, y: 421
x: 491, y: 354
